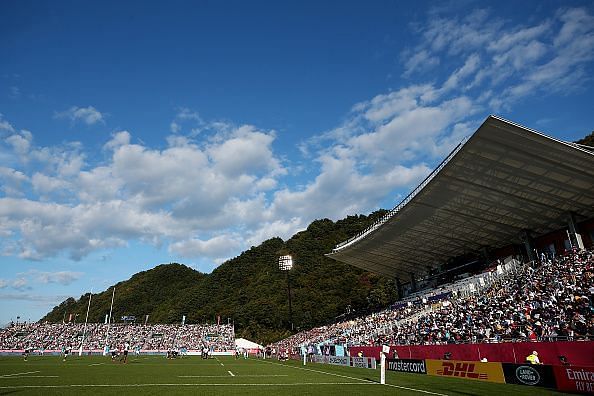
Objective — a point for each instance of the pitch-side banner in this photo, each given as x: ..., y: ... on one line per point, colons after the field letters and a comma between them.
x: 575, y: 378
x: 336, y: 360
x: 477, y: 371
x: 529, y: 374
x: 407, y: 366
x: 363, y: 362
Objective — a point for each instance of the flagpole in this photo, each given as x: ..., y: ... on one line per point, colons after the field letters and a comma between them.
x: 85, y: 327
x: 109, y: 321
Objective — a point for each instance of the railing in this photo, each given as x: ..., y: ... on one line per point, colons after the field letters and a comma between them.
x: 494, y: 340
x: 403, y: 203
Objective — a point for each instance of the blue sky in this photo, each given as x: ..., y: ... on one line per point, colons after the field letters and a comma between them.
x: 140, y: 133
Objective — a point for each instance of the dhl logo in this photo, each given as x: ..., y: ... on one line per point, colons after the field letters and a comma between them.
x: 461, y: 369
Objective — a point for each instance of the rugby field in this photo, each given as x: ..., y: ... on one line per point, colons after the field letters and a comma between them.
x: 149, y: 375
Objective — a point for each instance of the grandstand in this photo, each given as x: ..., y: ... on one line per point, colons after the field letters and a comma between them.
x: 506, y: 190
x: 547, y: 300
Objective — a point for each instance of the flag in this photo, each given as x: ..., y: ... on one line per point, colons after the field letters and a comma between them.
x: 106, y: 318
x: 218, y: 320
x: 184, y: 319
x: 70, y: 318
x: 146, y: 319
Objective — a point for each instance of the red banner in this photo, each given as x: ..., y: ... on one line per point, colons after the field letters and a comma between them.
x: 575, y: 378
x: 580, y: 353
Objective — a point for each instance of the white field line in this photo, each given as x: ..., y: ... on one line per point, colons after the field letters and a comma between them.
x: 10, y: 375
x: 321, y: 372
x: 156, y: 363
x: 30, y: 376
x: 360, y: 379
x: 231, y: 374
x: 221, y: 363
x: 96, y: 364
x: 415, y: 390
x: 225, y: 376
x: 155, y: 385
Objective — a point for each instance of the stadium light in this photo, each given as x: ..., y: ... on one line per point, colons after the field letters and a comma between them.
x: 285, y: 263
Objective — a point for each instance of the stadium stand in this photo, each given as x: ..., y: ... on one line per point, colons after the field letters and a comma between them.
x: 545, y: 300
x: 153, y: 337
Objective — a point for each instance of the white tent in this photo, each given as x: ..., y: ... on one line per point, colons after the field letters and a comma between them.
x: 247, y: 344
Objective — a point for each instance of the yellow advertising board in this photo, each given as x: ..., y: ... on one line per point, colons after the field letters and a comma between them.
x: 478, y: 371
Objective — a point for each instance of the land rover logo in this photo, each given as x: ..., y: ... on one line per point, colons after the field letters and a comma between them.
x: 527, y: 375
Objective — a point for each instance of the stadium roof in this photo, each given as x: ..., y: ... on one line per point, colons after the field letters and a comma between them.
x: 503, y: 179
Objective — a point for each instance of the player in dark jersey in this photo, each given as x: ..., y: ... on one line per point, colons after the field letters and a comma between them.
x: 124, y: 357
x: 26, y: 353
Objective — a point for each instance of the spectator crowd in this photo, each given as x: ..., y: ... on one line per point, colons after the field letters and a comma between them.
x: 54, y: 336
x: 546, y: 300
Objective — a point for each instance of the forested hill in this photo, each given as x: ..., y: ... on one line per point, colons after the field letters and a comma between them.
x: 250, y: 289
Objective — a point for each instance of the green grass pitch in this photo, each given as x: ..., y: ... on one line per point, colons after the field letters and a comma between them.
x: 148, y: 375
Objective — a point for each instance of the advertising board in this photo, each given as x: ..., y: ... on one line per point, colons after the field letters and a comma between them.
x: 338, y: 360
x: 407, y: 366
x: 575, y: 378
x: 363, y: 362
x: 477, y: 371
x: 529, y: 374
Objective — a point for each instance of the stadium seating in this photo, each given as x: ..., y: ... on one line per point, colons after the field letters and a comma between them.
x: 54, y: 336
x: 547, y: 300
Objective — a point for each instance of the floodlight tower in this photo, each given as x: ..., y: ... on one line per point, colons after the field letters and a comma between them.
x: 285, y: 263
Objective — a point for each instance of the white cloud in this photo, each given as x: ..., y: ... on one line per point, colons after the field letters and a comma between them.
x: 140, y: 193
x: 218, y: 246
x: 12, y: 181
x: 283, y: 228
x: 174, y: 127
x: 44, y: 184
x: 178, y: 141
x: 420, y: 61
x: 577, y: 22
x: 89, y: 115
x: 339, y: 181
x: 61, y: 277
x: 459, y: 35
x: 121, y: 138
x: 187, y: 114
x: 20, y: 284
x: 247, y: 152
x: 98, y: 185
x: 20, y: 142
x: 510, y: 39
x: 5, y: 125
x: 470, y: 66
x: 33, y: 297
x: 406, y: 132
x: 517, y: 60
x: 188, y: 118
